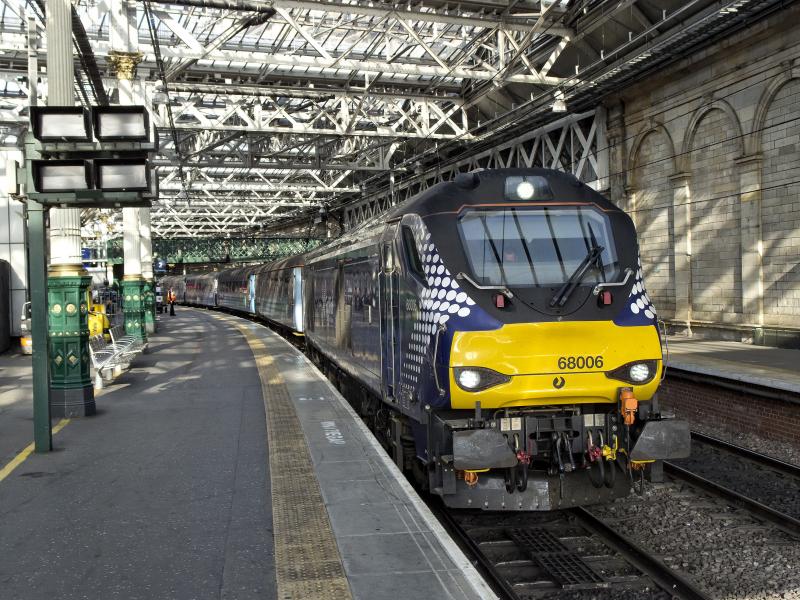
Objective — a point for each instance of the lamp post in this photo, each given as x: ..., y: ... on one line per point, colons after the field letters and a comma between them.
x: 76, y: 161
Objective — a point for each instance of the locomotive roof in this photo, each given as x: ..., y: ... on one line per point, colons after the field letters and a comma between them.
x: 488, y: 187
x: 484, y: 187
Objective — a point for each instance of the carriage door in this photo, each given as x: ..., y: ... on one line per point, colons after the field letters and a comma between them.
x: 390, y: 315
x: 251, y: 294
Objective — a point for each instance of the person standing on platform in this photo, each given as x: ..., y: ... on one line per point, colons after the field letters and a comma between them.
x: 171, y: 297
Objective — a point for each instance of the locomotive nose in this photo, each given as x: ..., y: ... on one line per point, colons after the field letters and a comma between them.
x: 554, y: 363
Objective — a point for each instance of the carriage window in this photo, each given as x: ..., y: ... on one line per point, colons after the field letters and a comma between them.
x: 537, y: 246
x: 414, y: 261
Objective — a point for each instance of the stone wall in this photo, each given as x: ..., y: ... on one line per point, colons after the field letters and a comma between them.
x: 708, y: 166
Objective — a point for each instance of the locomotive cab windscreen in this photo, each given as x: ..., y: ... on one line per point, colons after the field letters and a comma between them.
x: 540, y: 251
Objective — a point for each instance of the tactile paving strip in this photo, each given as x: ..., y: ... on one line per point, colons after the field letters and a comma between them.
x: 308, y: 564
x: 566, y: 567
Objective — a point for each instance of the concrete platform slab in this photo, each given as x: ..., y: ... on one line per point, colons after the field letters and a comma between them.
x: 164, y: 494
x: 759, y: 365
x: 168, y: 493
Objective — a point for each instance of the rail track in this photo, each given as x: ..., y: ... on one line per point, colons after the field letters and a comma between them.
x: 575, y: 555
x: 765, y: 486
x: 564, y: 554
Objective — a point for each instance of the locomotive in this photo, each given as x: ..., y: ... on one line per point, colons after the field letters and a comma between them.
x: 494, y: 331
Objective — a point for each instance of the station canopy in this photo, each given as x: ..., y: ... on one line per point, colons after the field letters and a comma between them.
x: 270, y: 111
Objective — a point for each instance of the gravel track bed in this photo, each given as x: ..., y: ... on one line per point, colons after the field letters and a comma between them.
x: 725, y: 551
x: 772, y: 488
x: 784, y: 451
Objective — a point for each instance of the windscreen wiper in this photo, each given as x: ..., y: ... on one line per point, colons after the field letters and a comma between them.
x: 565, y: 291
x: 500, y: 288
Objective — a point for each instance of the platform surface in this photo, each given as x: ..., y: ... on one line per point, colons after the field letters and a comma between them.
x: 167, y: 492
x: 760, y: 365
x: 16, y: 424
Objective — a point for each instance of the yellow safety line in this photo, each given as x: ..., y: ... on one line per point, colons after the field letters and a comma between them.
x: 20, y: 458
x: 307, y: 559
x: 26, y: 452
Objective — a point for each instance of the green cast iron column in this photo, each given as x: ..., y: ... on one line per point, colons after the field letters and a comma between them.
x: 133, y: 306
x: 148, y: 292
x: 71, y: 392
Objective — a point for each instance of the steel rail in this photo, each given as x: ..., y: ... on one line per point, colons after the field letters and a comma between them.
x: 670, y: 580
x: 781, y: 520
x: 762, y: 459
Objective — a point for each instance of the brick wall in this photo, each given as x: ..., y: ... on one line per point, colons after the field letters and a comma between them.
x: 732, y: 410
x: 652, y: 213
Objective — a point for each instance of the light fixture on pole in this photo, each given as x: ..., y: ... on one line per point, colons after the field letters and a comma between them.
x: 122, y: 174
x: 61, y: 175
x: 60, y: 124
x: 121, y: 123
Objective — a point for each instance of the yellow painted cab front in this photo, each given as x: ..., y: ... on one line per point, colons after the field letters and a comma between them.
x: 543, y: 364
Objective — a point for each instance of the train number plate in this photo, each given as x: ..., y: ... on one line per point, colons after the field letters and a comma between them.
x: 580, y: 362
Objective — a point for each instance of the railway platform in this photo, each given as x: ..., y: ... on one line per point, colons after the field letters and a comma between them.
x: 223, y: 465
x: 773, y: 368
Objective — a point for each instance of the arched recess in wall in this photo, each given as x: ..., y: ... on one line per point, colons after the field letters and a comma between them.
x: 652, y: 162
x: 776, y: 135
x: 712, y: 144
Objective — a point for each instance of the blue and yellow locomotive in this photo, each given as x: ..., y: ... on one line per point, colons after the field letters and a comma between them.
x: 494, y: 331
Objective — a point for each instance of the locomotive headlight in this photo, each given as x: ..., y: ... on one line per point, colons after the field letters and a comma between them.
x: 527, y: 187
x: 639, y: 372
x: 525, y: 190
x: 469, y: 379
x: 475, y: 379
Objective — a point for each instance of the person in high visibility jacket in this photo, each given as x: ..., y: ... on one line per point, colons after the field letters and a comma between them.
x: 171, y: 298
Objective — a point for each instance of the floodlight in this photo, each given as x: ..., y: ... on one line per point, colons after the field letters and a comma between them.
x: 60, y: 124
x: 559, y: 105
x: 121, y: 123
x: 122, y: 174
x: 61, y: 175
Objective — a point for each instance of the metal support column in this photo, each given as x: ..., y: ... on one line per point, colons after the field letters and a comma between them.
x: 132, y: 282
x: 37, y: 244
x: 147, y: 271
x: 71, y: 392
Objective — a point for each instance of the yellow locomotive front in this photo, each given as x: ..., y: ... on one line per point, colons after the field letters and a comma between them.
x: 578, y: 362
x: 550, y: 362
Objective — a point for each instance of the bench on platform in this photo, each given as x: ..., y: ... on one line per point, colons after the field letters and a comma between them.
x: 106, y: 360
x: 127, y: 345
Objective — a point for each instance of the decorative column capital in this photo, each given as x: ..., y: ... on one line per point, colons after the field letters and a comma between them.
x: 125, y: 63
x: 750, y: 161
x: 680, y: 179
